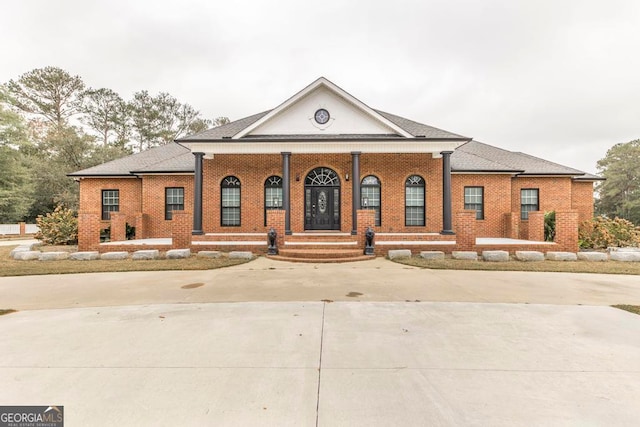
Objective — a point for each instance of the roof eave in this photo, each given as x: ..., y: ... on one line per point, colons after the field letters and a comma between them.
x: 229, y: 140
x: 103, y: 175
x: 501, y: 171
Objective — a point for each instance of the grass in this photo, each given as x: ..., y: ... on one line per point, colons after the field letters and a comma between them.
x: 608, y: 267
x: 11, y: 267
x: 6, y: 311
x: 630, y: 308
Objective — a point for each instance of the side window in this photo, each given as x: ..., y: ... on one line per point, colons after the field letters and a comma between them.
x: 110, y: 203
x: 529, y: 201
x: 474, y: 200
x: 230, y: 200
x: 370, y: 196
x: 173, y: 201
x: 414, y: 201
x: 272, y: 195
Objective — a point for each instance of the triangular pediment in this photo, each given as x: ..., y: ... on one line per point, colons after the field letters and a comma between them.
x: 322, y: 109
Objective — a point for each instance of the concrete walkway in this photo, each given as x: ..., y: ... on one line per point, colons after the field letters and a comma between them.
x: 255, y: 345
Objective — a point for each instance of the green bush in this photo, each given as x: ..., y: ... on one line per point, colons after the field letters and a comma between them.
x: 601, y: 233
x: 105, y: 233
x: 549, y: 226
x: 59, y: 227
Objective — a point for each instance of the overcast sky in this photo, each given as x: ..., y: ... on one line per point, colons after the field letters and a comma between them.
x: 556, y: 79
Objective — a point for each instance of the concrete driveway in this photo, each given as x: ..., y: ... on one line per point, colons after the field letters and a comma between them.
x: 173, y: 348
x: 267, y: 280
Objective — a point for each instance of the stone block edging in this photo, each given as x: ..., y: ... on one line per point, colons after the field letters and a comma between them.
x: 432, y: 255
x: 495, y: 256
x: 465, y: 255
x: 399, y: 253
x: 529, y: 256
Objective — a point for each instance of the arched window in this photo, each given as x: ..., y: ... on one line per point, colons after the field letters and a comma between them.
x: 414, y: 201
x: 370, y: 195
x: 272, y: 195
x: 230, y: 201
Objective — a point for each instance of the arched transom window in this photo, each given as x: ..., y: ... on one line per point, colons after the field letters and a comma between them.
x: 322, y: 177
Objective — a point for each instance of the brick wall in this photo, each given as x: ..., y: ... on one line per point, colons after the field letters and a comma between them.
x: 142, y: 201
x: 497, y: 200
x: 130, y: 196
x: 89, y: 226
x: 153, y: 201
x: 535, y: 226
x: 275, y: 219
x: 366, y: 219
x: 465, y: 225
x: 582, y: 199
x: 181, y: 227
x: 567, y: 230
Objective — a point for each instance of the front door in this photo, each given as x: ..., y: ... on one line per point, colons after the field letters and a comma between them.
x: 322, y: 200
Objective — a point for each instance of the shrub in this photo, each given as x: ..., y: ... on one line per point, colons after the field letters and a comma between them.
x: 549, y: 226
x: 130, y: 232
x: 601, y: 233
x: 105, y: 235
x: 59, y: 227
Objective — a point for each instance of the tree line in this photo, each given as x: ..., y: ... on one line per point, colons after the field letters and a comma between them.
x: 52, y: 124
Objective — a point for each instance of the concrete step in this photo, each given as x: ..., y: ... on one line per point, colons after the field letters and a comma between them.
x: 321, y: 255
x: 321, y: 237
x: 321, y: 260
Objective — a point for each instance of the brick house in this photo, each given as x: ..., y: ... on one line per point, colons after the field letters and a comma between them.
x: 325, y: 164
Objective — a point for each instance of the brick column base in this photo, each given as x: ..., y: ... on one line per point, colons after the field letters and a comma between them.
x: 465, y: 228
x: 275, y: 219
x: 366, y: 218
x: 567, y: 223
x: 89, y: 231
x: 118, y: 226
x: 181, y: 225
x: 512, y: 229
x: 142, y: 226
x: 536, y: 226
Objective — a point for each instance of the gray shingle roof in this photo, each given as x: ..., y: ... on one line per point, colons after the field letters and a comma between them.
x: 419, y: 129
x: 148, y: 160
x: 473, y: 155
x: 225, y: 131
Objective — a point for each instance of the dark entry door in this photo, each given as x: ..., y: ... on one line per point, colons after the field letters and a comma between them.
x: 322, y: 208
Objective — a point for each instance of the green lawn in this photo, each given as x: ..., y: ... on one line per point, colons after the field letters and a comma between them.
x: 631, y: 308
x: 11, y: 267
x: 608, y: 267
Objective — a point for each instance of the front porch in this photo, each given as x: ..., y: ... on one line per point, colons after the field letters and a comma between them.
x: 328, y: 242
x: 335, y: 246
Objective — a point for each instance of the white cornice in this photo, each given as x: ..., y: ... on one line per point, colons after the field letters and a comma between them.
x: 322, y: 147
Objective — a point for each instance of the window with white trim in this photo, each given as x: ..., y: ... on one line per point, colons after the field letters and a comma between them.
x: 414, y: 193
x: 529, y: 201
x: 230, y: 201
x: 272, y: 195
x: 474, y: 200
x: 173, y: 201
x: 110, y: 203
x: 370, y: 196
